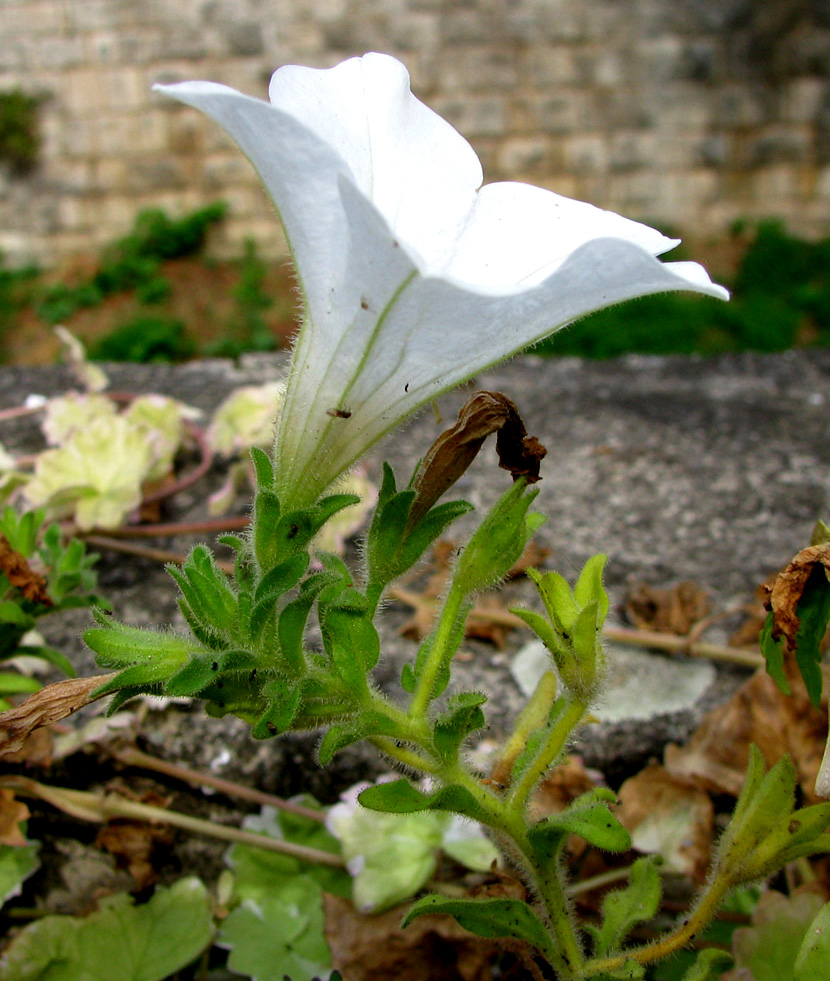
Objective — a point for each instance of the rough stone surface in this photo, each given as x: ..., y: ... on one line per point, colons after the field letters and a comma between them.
x: 678, y: 468
x: 722, y: 106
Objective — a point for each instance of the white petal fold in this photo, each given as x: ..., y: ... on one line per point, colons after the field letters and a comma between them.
x: 414, y: 276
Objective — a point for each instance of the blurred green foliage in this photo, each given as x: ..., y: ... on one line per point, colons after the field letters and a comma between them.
x: 247, y: 330
x: 134, y: 262
x: 781, y: 297
x: 19, y: 134
x: 145, y: 338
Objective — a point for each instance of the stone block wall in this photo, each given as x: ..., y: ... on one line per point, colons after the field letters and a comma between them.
x: 690, y: 113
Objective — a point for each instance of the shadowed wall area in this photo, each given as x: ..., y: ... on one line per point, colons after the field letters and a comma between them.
x: 688, y: 113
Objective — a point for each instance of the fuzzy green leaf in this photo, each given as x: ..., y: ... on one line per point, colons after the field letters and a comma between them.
x: 343, y: 734
x: 400, y: 797
x: 623, y: 909
x: 488, y: 918
x: 462, y: 717
x: 588, y: 816
x: 283, y: 704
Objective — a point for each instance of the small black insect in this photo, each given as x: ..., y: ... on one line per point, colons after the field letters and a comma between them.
x: 339, y: 413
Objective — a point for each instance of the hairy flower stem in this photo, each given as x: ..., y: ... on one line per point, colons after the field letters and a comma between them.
x: 440, y: 651
x: 562, y: 729
x: 698, y: 920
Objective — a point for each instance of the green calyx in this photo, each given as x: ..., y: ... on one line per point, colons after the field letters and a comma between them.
x: 572, y: 629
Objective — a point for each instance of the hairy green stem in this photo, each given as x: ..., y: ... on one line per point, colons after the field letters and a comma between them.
x: 562, y: 729
x: 696, y: 922
x: 437, y: 652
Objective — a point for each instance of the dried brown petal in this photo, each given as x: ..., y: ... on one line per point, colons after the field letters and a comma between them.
x: 46, y: 706
x: 455, y: 449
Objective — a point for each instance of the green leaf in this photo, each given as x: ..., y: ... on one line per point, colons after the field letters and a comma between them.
x: 588, y: 816
x: 773, y: 651
x: 281, y: 936
x: 263, y: 468
x: 488, y: 918
x: 768, y: 949
x: 813, y: 958
x: 17, y: 863
x: 116, y: 646
x: 150, y: 942
x: 498, y: 542
x: 343, y: 734
x: 200, y: 672
x: 12, y: 683
x: 400, y: 797
x: 350, y: 638
x: 463, y: 716
x: 284, y: 577
x: 709, y: 965
x: 623, y: 909
x: 813, y: 611
x: 283, y: 704
x: 259, y: 874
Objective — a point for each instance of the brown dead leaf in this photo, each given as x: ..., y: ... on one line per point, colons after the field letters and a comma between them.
x: 20, y: 574
x: 36, y: 751
x: 12, y: 812
x: 137, y: 845
x: 717, y: 754
x: 432, y: 948
x: 668, y: 816
x: 46, y: 706
x: 674, y: 610
x: 783, y: 596
x: 455, y: 449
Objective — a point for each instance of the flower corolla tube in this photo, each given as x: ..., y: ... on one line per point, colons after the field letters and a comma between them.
x: 414, y: 276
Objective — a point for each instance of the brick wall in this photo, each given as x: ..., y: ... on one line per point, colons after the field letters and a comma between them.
x: 692, y: 113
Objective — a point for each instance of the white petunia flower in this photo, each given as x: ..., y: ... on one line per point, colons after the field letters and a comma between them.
x: 414, y: 276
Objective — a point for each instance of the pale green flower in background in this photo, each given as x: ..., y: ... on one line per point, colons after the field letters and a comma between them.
x: 246, y: 418
x: 414, y: 276
x: 162, y: 421
x: 392, y: 856
x: 65, y: 414
x: 95, y: 476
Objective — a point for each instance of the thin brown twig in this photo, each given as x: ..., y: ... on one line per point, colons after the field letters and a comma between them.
x: 97, y: 808
x: 671, y: 643
x: 134, y: 757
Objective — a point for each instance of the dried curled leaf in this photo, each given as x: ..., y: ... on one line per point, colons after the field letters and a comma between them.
x: 455, y: 449
x: 786, y: 591
x: 46, y: 706
x: 21, y: 575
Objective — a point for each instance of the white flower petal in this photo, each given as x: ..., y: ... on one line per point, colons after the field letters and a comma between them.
x: 415, y: 278
x: 407, y: 338
x: 301, y: 172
